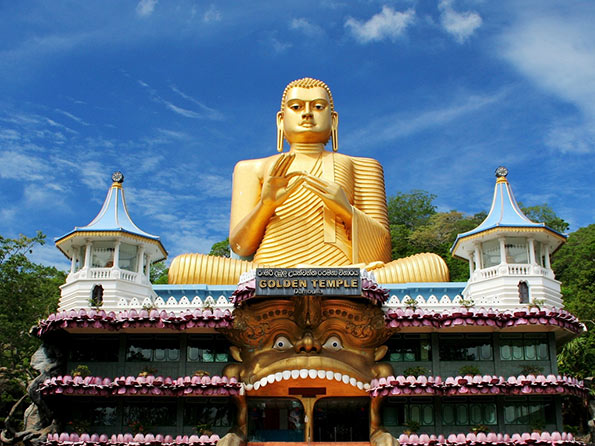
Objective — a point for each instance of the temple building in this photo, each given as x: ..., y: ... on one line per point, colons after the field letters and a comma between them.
x: 272, y: 346
x: 145, y: 364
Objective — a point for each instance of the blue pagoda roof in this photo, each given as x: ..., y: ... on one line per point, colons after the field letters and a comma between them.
x: 114, y: 217
x: 504, y: 213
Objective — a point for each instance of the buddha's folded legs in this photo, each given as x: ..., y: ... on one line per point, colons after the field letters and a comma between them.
x: 213, y: 270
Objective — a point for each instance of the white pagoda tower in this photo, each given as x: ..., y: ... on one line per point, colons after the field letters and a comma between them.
x: 110, y: 258
x: 509, y: 256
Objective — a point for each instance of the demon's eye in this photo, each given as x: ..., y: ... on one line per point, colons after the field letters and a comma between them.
x: 333, y: 343
x: 282, y: 343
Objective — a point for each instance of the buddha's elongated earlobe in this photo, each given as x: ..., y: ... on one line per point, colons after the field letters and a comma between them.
x: 335, y: 131
x: 279, y: 132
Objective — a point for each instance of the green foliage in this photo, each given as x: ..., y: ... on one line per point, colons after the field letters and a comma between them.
x: 81, y: 370
x: 221, y: 249
x: 158, y: 273
x: 412, y: 426
x: 28, y: 292
x: 469, y: 370
x: 574, y: 265
x: 411, y: 210
x: 543, y: 213
x: 416, y: 371
x: 480, y: 428
x: 529, y: 369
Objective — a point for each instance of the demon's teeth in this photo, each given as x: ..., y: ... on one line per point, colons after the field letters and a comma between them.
x: 286, y: 375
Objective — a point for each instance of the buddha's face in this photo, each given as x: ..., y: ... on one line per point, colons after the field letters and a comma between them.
x: 334, y: 336
x: 307, y: 115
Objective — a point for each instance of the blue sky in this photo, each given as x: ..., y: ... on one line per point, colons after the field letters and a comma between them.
x: 174, y: 93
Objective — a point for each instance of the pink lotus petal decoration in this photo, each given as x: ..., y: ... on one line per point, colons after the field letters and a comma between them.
x: 478, y: 384
x: 397, y: 318
x: 492, y: 439
x: 132, y: 319
x: 149, y: 385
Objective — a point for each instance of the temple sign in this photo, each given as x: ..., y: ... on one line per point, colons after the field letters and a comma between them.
x: 308, y: 207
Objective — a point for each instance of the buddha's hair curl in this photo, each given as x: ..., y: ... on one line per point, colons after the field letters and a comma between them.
x: 307, y: 82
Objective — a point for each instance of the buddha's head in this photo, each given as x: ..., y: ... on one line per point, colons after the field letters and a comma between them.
x: 277, y: 338
x: 307, y: 114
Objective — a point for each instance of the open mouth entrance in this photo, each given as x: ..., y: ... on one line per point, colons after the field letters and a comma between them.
x: 342, y: 419
x: 275, y: 419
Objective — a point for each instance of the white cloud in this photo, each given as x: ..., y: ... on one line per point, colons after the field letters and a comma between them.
x: 554, y: 51
x: 398, y: 125
x: 145, y: 7
x: 208, y: 111
x: 578, y: 139
x: 21, y: 166
x: 301, y: 24
x: 49, y: 255
x: 73, y: 117
x: 279, y: 46
x: 212, y: 14
x: 386, y: 24
x: 459, y: 24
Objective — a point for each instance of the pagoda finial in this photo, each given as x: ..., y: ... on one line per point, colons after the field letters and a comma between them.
x: 501, y: 173
x: 118, y: 177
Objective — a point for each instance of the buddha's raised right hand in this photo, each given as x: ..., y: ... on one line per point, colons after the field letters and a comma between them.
x: 276, y: 188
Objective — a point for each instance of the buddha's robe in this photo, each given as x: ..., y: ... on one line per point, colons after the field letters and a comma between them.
x: 303, y: 232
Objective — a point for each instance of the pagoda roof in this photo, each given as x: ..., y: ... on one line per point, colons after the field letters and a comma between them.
x: 113, y: 217
x: 505, y: 213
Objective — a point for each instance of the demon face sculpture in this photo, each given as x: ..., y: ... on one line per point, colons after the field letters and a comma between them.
x: 309, y: 347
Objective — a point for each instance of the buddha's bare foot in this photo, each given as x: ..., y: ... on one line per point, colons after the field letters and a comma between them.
x: 380, y: 438
x: 232, y: 439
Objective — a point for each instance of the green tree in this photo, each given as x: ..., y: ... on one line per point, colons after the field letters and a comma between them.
x: 574, y: 266
x: 221, y: 248
x: 28, y: 292
x: 407, y: 212
x: 543, y: 213
x: 411, y: 209
x: 158, y: 273
x: 438, y: 235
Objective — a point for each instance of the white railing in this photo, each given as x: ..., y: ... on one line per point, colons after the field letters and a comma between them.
x: 99, y: 273
x: 511, y: 269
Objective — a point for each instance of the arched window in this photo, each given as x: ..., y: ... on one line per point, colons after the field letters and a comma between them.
x: 97, y: 296
x: 523, y: 292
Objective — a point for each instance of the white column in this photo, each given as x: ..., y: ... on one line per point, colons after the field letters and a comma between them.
x: 88, y: 255
x: 532, y: 260
x: 148, y: 267
x: 73, y: 262
x: 547, y: 257
x: 471, y: 266
x: 502, y: 250
x: 117, y: 254
x: 478, y: 264
x: 139, y: 258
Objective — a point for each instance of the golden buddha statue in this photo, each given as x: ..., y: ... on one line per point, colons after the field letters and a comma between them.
x: 308, y: 207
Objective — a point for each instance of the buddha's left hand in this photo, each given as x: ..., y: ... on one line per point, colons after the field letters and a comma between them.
x: 332, y: 195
